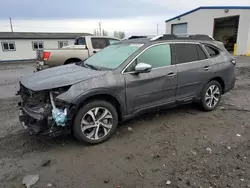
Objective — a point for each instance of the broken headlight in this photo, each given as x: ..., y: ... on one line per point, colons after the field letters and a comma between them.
x: 58, y: 91
x: 59, y: 110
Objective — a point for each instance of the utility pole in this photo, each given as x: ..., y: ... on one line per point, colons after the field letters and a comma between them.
x: 11, y: 28
x: 157, y: 30
x: 100, y: 28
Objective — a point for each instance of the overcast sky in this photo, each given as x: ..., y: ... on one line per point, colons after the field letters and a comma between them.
x: 131, y: 16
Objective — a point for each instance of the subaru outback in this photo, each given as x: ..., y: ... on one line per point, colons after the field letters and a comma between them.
x: 89, y: 99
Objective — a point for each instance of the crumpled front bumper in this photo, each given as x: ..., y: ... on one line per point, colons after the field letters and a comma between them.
x: 34, y: 120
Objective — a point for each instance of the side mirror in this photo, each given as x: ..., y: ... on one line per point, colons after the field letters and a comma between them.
x: 143, y: 68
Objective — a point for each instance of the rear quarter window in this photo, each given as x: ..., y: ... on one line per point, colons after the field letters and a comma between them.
x: 212, y: 51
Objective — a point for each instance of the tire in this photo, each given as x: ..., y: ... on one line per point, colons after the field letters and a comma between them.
x: 204, y: 103
x: 70, y: 61
x: 85, y: 115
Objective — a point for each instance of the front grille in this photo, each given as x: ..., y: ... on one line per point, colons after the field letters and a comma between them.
x: 31, y: 98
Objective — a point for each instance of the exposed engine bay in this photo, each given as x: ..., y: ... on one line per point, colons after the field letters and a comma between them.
x: 41, y: 113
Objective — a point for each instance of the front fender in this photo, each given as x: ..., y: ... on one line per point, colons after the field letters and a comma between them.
x: 101, y: 91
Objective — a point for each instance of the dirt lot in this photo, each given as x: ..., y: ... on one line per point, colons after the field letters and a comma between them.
x: 182, y: 147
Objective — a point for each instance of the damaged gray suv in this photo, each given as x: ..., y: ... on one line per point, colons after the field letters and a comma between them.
x: 128, y: 78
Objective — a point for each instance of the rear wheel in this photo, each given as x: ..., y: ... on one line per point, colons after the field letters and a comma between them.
x: 95, y: 122
x: 211, y: 96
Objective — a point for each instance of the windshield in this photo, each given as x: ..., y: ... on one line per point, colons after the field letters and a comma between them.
x: 112, y: 56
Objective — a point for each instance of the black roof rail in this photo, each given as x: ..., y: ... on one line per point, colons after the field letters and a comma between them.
x: 184, y: 37
x: 137, y: 37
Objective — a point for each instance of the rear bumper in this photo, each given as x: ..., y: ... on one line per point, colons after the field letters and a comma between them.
x: 231, y: 86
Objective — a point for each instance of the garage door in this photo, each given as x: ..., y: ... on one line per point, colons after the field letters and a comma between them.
x: 179, y: 28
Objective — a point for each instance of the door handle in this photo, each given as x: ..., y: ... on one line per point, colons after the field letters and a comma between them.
x: 171, y: 75
x: 207, y: 68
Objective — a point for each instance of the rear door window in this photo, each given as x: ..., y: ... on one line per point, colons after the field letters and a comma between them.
x: 201, y: 53
x: 186, y: 52
x: 99, y: 43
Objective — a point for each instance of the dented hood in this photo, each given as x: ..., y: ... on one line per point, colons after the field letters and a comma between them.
x: 58, y: 77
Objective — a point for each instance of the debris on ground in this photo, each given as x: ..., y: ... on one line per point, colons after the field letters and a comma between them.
x: 209, y: 150
x: 30, y: 180
x: 130, y: 129
x: 49, y: 185
x: 138, y: 171
x: 46, y: 162
x: 228, y: 147
x: 157, y: 156
x: 238, y: 135
x: 168, y: 182
x: 193, y: 152
x: 106, y: 181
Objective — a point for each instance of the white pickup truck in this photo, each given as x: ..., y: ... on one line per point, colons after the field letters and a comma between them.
x: 83, y: 47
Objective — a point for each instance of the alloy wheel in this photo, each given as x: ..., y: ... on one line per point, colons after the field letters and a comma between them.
x: 96, y: 123
x: 212, y: 96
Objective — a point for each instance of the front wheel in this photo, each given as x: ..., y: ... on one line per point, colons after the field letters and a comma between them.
x: 211, y: 96
x: 95, y: 122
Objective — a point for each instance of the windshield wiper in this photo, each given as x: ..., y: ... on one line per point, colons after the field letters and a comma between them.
x: 90, y: 66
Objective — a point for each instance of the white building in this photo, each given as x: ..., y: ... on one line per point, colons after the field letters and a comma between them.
x: 16, y: 46
x: 231, y: 25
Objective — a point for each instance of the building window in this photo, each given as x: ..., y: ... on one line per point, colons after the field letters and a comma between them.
x: 8, y: 46
x: 62, y: 44
x: 37, y: 45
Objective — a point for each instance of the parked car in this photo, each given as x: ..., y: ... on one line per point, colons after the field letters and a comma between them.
x: 124, y: 80
x: 83, y: 47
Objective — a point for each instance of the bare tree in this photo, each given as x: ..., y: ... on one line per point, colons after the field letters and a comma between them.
x: 104, y: 33
x: 96, y: 32
x: 119, y: 34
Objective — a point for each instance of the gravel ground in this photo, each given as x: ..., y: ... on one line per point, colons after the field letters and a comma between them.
x: 181, y: 147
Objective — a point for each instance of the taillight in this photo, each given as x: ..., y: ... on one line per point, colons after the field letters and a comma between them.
x: 46, y: 55
x: 233, y: 61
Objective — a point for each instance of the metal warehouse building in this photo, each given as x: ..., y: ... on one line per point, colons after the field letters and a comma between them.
x: 231, y: 25
x: 16, y: 46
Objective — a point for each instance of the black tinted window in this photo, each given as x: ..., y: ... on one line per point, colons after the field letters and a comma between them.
x: 37, y: 45
x: 201, y: 53
x: 80, y: 41
x: 11, y: 46
x: 186, y: 53
x: 99, y: 43
x: 5, y: 46
x: 212, y: 51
